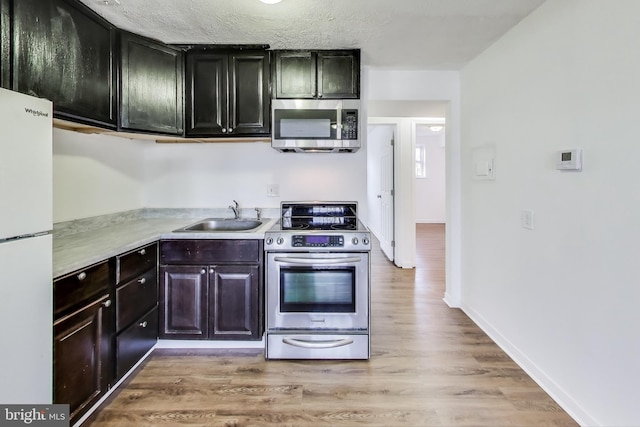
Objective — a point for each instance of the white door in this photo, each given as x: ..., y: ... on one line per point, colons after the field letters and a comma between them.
x: 380, y: 178
x: 386, y: 199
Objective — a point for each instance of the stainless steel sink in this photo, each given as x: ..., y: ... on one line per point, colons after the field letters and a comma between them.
x: 222, y: 224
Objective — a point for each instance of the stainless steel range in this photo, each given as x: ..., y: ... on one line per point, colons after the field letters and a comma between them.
x: 317, y: 280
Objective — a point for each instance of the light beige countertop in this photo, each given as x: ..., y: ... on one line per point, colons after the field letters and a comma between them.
x: 89, y: 245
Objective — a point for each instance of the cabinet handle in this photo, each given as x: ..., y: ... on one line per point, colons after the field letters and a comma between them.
x: 143, y: 324
x: 82, y: 276
x: 142, y: 251
x: 142, y: 281
x: 203, y: 271
x: 211, y: 270
x: 319, y: 95
x: 107, y: 303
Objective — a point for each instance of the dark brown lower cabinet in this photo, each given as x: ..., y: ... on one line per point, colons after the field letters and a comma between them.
x: 183, y: 301
x: 135, y: 341
x: 234, y: 302
x: 82, y: 356
x: 211, y: 302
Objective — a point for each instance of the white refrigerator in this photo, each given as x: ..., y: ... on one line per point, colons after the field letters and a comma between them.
x: 26, y: 216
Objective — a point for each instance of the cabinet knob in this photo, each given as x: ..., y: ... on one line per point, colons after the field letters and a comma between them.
x: 230, y: 130
x: 142, y: 251
x: 203, y: 271
x: 211, y: 270
x: 142, y: 281
x: 224, y: 130
x: 82, y: 276
x: 319, y: 95
x: 143, y: 324
x: 107, y: 303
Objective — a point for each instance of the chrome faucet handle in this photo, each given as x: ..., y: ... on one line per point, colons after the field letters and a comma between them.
x: 258, y: 213
x: 236, y: 209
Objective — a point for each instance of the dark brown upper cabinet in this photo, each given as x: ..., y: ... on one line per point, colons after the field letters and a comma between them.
x: 64, y: 52
x: 227, y: 92
x: 328, y: 74
x: 5, y: 44
x: 151, y: 86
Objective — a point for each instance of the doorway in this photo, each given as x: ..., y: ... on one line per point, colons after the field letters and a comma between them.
x: 403, y: 226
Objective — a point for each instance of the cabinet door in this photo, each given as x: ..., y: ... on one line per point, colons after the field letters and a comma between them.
x: 183, y: 302
x: 151, y: 86
x: 295, y: 74
x: 5, y: 44
x: 206, y: 93
x: 338, y: 74
x: 249, y: 98
x: 235, y: 301
x: 64, y: 52
x: 82, y: 355
x: 135, y: 341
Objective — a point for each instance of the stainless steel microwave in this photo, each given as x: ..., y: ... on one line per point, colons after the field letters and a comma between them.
x: 318, y: 126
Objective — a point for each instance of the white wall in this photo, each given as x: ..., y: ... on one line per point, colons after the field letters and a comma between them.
x: 95, y: 175
x: 212, y: 175
x: 430, y: 191
x: 443, y: 86
x: 562, y: 298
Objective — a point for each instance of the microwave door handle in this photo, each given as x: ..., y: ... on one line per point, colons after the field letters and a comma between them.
x: 297, y: 342
x: 315, y: 261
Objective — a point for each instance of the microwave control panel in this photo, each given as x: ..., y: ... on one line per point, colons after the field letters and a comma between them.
x: 349, y: 124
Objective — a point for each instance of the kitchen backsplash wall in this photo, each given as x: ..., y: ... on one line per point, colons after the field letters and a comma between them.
x: 203, y: 175
x: 97, y: 175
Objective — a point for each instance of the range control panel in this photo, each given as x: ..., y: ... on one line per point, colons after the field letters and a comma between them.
x: 341, y: 242
x: 317, y: 241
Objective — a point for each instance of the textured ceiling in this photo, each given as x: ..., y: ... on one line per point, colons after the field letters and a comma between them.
x: 399, y: 34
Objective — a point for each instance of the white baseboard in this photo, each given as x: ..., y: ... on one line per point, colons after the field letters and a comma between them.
x: 556, y: 392
x: 430, y: 221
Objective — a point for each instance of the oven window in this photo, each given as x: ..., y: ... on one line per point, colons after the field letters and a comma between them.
x: 317, y: 290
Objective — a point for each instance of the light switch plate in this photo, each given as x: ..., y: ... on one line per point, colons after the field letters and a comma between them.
x: 273, y: 190
x: 526, y: 219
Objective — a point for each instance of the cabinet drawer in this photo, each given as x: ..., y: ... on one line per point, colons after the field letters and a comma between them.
x: 136, y: 262
x: 210, y: 251
x: 135, y: 298
x: 72, y: 290
x: 135, y: 341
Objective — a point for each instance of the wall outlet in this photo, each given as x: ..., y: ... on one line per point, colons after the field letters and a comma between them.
x: 526, y: 219
x: 273, y: 190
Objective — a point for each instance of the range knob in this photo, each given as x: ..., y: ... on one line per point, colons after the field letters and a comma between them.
x: 365, y: 241
x: 269, y: 241
x: 354, y: 240
x: 280, y: 240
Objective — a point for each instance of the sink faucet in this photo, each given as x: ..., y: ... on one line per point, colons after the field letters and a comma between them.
x: 236, y: 209
x: 258, y: 213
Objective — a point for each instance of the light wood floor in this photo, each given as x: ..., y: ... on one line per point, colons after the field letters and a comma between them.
x: 430, y: 366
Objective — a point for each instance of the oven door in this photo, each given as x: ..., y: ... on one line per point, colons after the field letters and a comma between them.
x: 317, y: 291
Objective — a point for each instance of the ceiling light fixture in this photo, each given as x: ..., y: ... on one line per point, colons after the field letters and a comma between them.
x: 270, y: 1
x: 436, y: 128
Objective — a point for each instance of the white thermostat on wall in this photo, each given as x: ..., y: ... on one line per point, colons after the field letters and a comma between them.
x: 569, y: 160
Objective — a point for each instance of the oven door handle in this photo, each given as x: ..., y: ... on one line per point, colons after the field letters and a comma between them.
x: 296, y: 342
x: 315, y: 261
